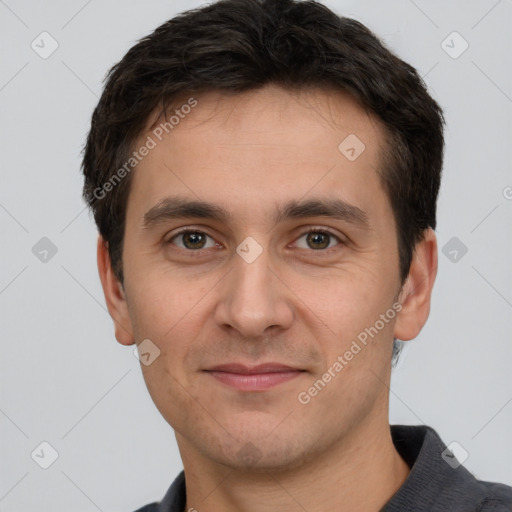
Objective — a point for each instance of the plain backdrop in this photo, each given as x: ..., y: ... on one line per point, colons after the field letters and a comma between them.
x: 67, y: 382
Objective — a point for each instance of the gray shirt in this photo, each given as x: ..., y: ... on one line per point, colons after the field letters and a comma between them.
x: 436, y: 483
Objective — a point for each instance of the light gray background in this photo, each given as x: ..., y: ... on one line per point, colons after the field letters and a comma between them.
x: 64, y: 378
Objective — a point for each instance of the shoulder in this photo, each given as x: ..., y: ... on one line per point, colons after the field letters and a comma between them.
x: 497, y: 497
x: 151, y: 507
x: 437, y: 481
x: 174, y: 499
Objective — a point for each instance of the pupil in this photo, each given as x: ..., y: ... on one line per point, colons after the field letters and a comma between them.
x: 193, y: 240
x: 321, y: 240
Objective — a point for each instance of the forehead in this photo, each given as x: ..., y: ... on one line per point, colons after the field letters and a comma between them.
x: 247, y: 150
x: 253, y: 114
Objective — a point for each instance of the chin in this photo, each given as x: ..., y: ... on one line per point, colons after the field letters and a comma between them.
x: 257, y: 453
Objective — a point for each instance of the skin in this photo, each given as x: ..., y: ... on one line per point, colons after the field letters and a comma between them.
x: 296, y: 304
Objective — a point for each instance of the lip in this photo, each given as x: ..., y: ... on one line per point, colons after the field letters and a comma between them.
x: 254, y: 378
x: 251, y: 370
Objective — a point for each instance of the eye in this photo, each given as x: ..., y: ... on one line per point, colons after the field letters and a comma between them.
x: 192, y: 240
x: 317, y: 240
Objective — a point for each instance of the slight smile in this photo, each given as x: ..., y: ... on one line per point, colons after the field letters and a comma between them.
x: 256, y: 378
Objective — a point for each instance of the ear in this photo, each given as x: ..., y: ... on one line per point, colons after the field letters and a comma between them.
x: 114, y: 296
x: 417, y: 289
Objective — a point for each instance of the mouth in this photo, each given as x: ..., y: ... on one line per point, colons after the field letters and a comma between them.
x: 255, y: 378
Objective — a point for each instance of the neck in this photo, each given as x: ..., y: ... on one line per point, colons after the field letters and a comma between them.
x: 360, y: 473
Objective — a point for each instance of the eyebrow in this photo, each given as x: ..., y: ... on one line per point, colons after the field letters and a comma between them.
x: 178, y: 208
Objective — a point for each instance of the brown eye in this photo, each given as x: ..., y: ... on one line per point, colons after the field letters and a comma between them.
x: 318, y: 240
x: 192, y: 240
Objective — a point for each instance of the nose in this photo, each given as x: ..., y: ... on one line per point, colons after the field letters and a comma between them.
x: 254, y: 299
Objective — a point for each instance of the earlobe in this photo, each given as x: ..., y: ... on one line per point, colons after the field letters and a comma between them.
x: 417, y: 290
x: 114, y: 296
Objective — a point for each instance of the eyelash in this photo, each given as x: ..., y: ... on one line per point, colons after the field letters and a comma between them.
x: 310, y: 231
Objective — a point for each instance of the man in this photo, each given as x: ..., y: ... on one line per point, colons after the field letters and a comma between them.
x: 264, y: 177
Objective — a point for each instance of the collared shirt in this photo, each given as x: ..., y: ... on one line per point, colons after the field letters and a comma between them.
x: 436, y: 482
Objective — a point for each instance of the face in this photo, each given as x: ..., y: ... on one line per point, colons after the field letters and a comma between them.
x: 287, y: 260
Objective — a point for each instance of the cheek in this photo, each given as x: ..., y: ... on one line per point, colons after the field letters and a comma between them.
x: 174, y: 326
x: 162, y: 300
x: 347, y: 297
x: 348, y: 313
x: 173, y: 314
